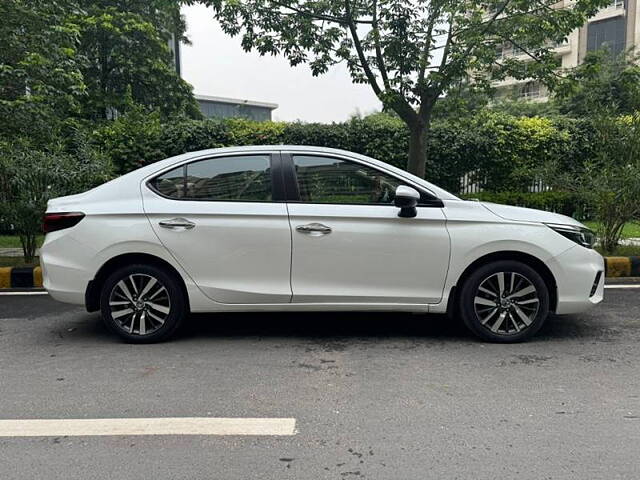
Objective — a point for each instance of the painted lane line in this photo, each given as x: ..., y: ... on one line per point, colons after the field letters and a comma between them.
x: 147, y: 426
x: 24, y: 293
x: 623, y: 286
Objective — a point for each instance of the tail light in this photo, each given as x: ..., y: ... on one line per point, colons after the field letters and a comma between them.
x: 59, y: 221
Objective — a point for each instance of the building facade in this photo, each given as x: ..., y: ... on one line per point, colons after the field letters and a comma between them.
x: 616, y: 27
x: 221, y: 107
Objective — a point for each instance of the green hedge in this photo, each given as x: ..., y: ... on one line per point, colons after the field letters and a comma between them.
x: 505, y: 152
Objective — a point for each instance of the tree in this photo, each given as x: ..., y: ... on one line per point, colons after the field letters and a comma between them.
x: 29, y: 177
x: 602, y: 79
x: 127, y: 59
x: 609, y: 180
x: 409, y: 52
x: 40, y: 81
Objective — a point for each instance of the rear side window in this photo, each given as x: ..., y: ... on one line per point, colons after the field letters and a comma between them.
x: 238, y: 178
x: 170, y: 184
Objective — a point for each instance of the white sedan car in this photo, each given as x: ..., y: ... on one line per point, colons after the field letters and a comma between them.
x: 309, y: 229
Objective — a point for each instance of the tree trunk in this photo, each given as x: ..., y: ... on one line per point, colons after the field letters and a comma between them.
x: 28, y: 242
x: 417, y: 148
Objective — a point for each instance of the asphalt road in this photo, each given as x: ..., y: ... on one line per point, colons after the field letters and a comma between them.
x: 388, y: 396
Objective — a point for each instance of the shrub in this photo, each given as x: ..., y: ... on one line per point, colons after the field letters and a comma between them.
x: 132, y: 140
x: 501, y: 152
x: 29, y: 178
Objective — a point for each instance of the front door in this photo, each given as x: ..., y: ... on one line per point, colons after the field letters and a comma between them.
x: 219, y: 219
x: 350, y: 246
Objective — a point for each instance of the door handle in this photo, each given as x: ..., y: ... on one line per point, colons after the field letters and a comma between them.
x: 314, y: 228
x: 177, y: 224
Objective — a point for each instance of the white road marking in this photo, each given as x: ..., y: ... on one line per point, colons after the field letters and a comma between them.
x: 24, y: 293
x: 623, y: 286
x: 147, y: 426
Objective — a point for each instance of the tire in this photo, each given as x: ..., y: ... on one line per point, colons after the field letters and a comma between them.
x: 508, y: 314
x: 126, y: 313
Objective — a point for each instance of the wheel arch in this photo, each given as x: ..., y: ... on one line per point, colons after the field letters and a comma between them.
x: 526, y: 258
x: 92, y: 294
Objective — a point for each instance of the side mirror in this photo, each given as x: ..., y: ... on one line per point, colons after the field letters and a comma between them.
x: 407, y: 200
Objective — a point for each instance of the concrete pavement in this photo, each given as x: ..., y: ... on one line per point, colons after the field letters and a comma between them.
x: 384, y: 396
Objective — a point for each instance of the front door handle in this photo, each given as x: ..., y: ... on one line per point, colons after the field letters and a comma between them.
x: 177, y: 224
x: 314, y: 229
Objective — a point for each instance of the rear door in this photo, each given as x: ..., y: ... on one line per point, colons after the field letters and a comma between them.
x: 350, y: 245
x: 224, y: 220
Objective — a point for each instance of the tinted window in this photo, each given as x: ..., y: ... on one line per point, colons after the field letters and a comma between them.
x: 331, y: 180
x: 171, y: 183
x: 238, y: 178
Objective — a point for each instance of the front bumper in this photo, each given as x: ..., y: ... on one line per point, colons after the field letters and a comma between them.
x: 575, y: 272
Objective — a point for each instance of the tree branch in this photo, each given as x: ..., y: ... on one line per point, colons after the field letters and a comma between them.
x: 318, y: 16
x: 376, y: 40
x: 444, y: 68
x: 424, y: 58
x: 398, y: 102
x: 360, y: 51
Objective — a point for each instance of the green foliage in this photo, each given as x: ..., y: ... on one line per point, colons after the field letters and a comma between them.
x: 132, y: 140
x: 602, y: 81
x: 40, y: 81
x: 410, y: 53
x: 501, y: 151
x: 30, y: 177
x: 610, y: 178
x: 566, y: 203
x: 127, y: 59
x: 522, y: 108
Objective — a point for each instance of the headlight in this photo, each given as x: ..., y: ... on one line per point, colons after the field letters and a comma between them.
x: 581, y: 235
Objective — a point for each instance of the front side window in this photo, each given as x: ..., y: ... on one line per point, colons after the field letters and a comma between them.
x: 238, y: 178
x: 332, y: 180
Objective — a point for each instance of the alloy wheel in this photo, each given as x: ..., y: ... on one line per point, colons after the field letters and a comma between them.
x: 506, y: 303
x: 139, y: 304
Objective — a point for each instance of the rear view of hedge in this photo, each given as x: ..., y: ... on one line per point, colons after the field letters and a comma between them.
x: 503, y: 152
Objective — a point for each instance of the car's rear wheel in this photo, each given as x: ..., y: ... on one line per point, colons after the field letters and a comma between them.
x: 142, y: 303
x: 504, y: 301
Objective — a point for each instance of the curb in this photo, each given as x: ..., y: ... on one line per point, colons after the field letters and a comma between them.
x: 20, y: 277
x: 31, y: 277
x: 622, y: 266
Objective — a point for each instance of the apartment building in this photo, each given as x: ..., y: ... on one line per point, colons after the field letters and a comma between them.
x: 616, y: 26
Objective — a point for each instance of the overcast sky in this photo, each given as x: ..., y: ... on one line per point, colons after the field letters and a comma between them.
x: 215, y: 64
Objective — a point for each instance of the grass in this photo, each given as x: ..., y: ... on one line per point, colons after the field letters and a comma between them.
x: 17, y: 262
x: 13, y: 241
x: 630, y: 230
x: 622, y: 251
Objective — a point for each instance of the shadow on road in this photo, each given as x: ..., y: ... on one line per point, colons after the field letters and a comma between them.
x: 343, y: 326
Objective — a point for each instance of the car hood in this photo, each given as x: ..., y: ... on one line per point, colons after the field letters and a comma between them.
x: 521, y: 214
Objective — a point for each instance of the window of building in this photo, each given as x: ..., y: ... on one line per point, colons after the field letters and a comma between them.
x: 616, y: 4
x: 609, y: 33
x: 530, y: 90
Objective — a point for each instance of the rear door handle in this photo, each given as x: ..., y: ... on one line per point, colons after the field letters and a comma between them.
x: 177, y: 224
x: 314, y: 229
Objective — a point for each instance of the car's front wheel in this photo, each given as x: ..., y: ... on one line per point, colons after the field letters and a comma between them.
x: 504, y: 301
x: 142, y: 303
